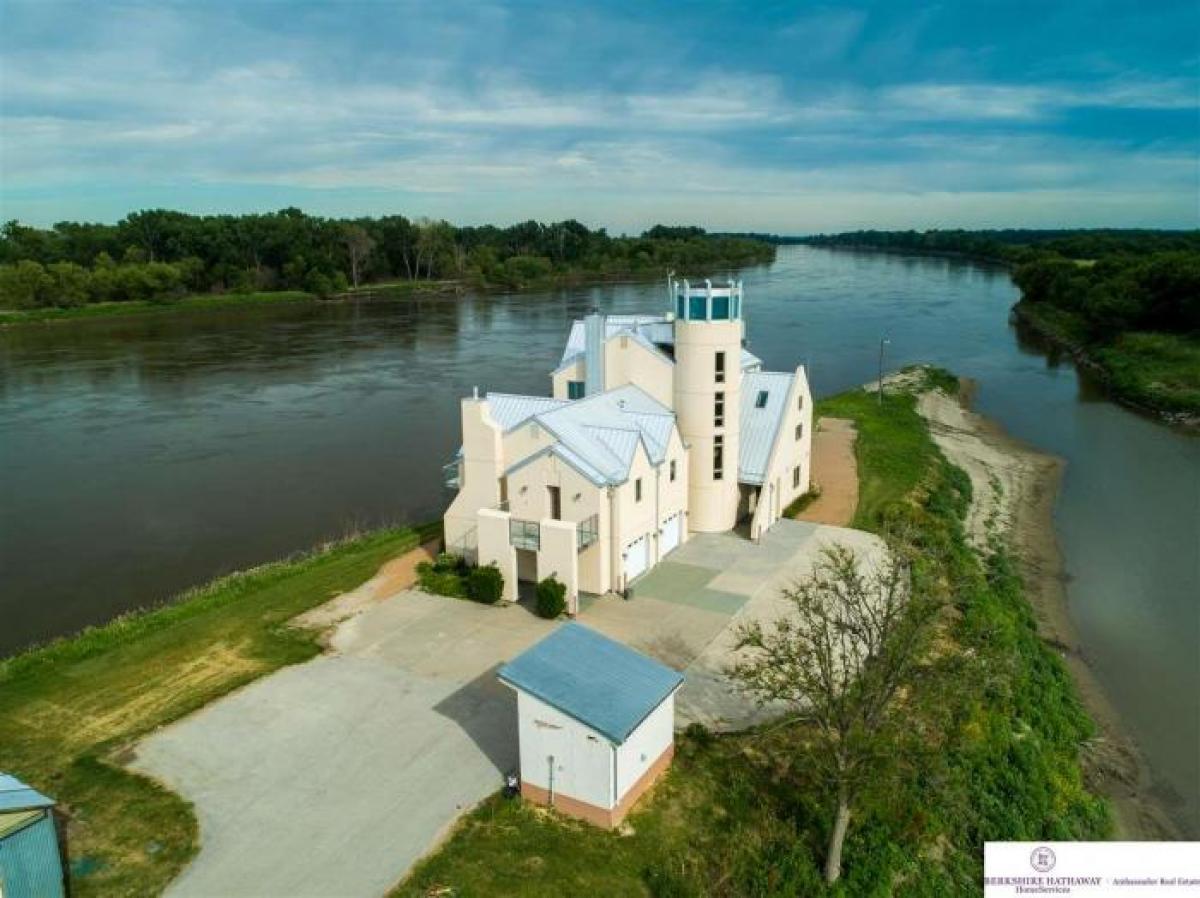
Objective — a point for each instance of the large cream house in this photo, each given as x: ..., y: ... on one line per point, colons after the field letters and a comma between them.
x: 658, y: 426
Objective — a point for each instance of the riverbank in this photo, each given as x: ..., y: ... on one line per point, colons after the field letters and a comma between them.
x: 1014, y: 489
x: 393, y: 290
x: 1156, y: 374
x: 70, y: 710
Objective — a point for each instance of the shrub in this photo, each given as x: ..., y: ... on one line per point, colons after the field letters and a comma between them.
x: 485, y: 584
x: 551, y: 598
x: 443, y: 577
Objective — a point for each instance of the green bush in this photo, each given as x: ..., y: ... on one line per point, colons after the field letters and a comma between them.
x: 551, y: 598
x: 485, y: 584
x: 446, y: 576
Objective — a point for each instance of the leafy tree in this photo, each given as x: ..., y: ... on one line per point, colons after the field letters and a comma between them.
x: 846, y: 659
x: 25, y: 285
x: 358, y: 245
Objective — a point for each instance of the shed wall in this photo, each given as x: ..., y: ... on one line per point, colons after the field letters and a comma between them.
x: 29, y: 862
x: 645, y: 746
x: 582, y: 765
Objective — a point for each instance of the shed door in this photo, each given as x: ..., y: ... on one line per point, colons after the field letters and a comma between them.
x: 670, y: 534
x: 637, y: 557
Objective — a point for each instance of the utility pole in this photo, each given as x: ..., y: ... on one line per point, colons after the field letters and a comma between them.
x: 883, y: 341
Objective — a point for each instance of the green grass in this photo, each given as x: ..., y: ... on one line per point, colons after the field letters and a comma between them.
x: 1161, y: 371
x: 740, y: 815
x: 68, y: 710
x: 1152, y: 370
x: 10, y: 317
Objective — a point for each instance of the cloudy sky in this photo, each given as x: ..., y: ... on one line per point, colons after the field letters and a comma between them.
x: 777, y: 116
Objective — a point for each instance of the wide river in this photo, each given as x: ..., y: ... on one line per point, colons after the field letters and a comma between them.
x: 141, y: 456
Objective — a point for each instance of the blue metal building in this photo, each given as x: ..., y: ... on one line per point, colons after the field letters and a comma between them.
x: 30, y: 863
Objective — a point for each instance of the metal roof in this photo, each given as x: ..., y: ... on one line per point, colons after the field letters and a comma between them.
x: 750, y: 360
x: 599, y: 682
x: 16, y: 796
x: 598, y: 435
x: 510, y: 410
x: 760, y: 426
x: 650, y: 329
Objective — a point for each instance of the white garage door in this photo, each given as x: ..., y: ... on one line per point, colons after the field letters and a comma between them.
x: 637, y: 557
x: 670, y: 532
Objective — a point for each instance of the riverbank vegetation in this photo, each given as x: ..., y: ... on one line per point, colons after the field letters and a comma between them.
x: 1125, y: 304
x: 70, y: 710
x: 158, y: 256
x: 994, y: 753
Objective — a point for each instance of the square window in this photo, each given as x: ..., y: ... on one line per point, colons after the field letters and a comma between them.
x: 575, y: 389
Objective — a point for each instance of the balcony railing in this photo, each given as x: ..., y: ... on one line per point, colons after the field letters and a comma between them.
x: 525, y: 534
x: 452, y: 474
x: 587, y: 533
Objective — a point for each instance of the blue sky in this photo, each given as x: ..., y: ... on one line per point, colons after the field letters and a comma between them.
x: 775, y: 116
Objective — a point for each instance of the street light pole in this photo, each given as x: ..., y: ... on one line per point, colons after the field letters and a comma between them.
x: 883, y: 341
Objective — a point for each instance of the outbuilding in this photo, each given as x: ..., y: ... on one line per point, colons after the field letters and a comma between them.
x: 596, y: 723
x: 30, y: 862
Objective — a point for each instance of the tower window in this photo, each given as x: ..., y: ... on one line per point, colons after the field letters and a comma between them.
x: 697, y: 307
x: 672, y: 470
x: 720, y: 367
x: 800, y: 404
x: 796, y: 477
x: 799, y: 431
x: 718, y: 457
x: 719, y: 409
x: 720, y: 308
x: 575, y: 389
x: 761, y: 401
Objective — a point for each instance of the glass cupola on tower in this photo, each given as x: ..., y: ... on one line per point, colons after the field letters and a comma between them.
x: 706, y: 302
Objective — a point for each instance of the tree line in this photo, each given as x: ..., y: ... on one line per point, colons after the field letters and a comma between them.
x: 157, y: 255
x: 1114, y: 281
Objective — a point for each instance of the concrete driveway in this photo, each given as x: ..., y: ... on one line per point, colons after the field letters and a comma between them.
x: 333, y: 777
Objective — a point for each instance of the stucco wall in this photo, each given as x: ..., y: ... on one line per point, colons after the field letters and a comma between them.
x: 645, y: 746
x: 626, y: 361
x: 495, y: 547
x: 482, y: 463
x: 712, y: 504
x: 583, y: 759
x: 559, y: 379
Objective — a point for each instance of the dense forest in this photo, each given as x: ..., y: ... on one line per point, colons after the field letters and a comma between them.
x: 1125, y: 302
x: 158, y: 255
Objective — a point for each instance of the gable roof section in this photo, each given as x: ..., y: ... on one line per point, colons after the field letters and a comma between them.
x: 650, y: 329
x: 598, y: 435
x: 16, y: 796
x: 510, y: 410
x: 760, y: 426
x: 599, y: 682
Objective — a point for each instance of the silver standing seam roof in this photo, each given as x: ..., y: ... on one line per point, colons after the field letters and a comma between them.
x: 760, y: 426
x: 597, y: 435
x: 651, y: 331
x: 598, y: 681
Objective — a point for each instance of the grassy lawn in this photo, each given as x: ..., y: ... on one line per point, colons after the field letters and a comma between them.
x: 68, y: 710
x: 740, y: 815
x: 116, y: 309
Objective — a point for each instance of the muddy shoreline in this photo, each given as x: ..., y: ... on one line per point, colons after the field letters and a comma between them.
x: 1015, y: 490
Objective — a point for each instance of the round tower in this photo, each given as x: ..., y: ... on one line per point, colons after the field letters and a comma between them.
x: 708, y: 396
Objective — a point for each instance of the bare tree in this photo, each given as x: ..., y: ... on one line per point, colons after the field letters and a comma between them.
x: 845, y: 659
x: 359, y: 245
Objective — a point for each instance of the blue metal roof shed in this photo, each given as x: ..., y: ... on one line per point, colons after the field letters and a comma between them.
x: 30, y: 864
x: 597, y: 681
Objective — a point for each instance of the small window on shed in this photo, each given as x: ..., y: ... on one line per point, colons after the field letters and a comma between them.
x: 761, y: 401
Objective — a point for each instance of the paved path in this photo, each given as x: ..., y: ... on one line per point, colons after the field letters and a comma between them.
x: 333, y: 777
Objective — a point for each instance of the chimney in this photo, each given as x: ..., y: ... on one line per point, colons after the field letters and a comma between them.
x: 594, y: 327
